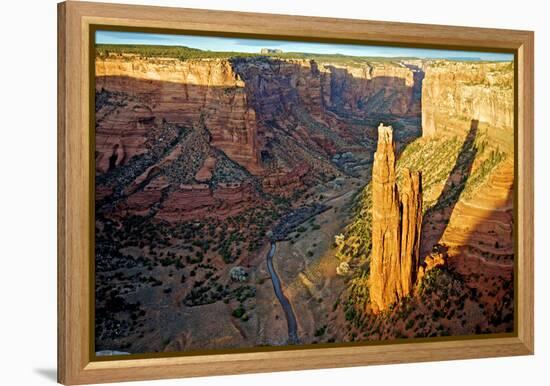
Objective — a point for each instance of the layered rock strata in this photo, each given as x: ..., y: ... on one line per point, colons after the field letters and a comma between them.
x: 199, y: 200
x: 369, y: 88
x: 385, y: 88
x: 396, y: 222
x: 181, y: 92
x: 238, y: 100
x: 455, y: 93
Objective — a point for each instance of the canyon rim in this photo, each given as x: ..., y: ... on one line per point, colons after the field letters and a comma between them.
x: 269, y: 193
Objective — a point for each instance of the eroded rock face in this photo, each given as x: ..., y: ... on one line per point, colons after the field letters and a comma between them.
x: 396, y: 222
x: 436, y: 259
x: 205, y: 172
x: 385, y: 270
x: 455, y: 93
x: 181, y: 92
x: 238, y: 100
x: 281, y: 180
x: 377, y: 88
x: 411, y: 223
x: 194, y: 201
x: 199, y: 122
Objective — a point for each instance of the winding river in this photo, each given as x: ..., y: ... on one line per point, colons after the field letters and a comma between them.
x: 287, y: 308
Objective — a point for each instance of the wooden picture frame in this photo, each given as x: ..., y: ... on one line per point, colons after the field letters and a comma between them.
x: 75, y: 277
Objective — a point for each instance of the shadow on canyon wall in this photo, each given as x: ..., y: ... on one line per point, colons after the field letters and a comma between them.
x: 273, y: 83
x: 341, y: 111
x: 437, y: 218
x: 382, y: 95
x: 418, y: 78
x: 486, y: 254
x: 286, y: 96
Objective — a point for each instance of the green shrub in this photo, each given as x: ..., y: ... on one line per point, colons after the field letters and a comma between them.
x: 320, y: 331
x: 238, y: 312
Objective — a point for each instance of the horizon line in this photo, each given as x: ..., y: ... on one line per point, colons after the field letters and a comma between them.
x: 253, y: 46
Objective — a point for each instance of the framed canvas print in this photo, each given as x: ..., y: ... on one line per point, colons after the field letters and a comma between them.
x: 250, y: 192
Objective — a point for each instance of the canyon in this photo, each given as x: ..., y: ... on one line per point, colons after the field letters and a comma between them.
x: 278, y: 120
x: 213, y: 162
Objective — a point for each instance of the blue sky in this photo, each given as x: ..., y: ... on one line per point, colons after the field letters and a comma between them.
x: 254, y: 45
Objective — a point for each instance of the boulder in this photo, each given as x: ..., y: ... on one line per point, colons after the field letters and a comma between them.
x: 238, y: 273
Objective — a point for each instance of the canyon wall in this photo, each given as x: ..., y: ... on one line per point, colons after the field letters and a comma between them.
x: 193, y: 201
x: 375, y: 88
x: 396, y: 222
x: 276, y: 86
x: 238, y: 99
x: 181, y: 92
x: 368, y: 88
x: 455, y: 93
x: 265, y: 114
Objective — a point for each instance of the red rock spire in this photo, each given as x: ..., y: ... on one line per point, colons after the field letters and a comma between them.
x: 396, y: 223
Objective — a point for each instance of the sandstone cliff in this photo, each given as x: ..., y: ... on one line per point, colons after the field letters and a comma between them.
x: 411, y: 224
x: 455, y: 93
x: 396, y: 222
x: 383, y: 88
x: 369, y: 88
x: 181, y: 92
x: 193, y: 201
x: 273, y: 117
x: 238, y: 100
